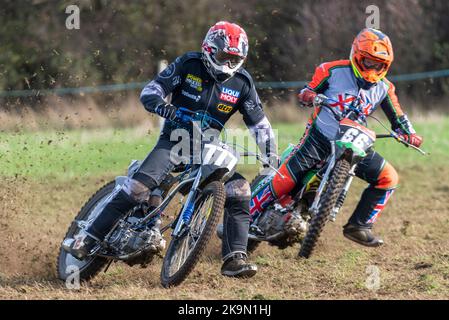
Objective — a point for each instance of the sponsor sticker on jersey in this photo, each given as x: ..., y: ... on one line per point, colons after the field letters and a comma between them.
x: 168, y: 72
x: 194, y: 82
x: 229, y: 95
x: 194, y: 97
x: 224, y: 108
x: 176, y: 80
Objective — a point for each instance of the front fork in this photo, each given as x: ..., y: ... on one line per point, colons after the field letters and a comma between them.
x: 313, y: 210
x: 341, y: 198
x: 188, y: 208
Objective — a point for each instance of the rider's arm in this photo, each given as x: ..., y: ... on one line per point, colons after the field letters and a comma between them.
x: 319, y: 84
x: 258, y: 124
x: 392, y: 109
x: 398, y: 119
x: 263, y: 133
x: 155, y: 91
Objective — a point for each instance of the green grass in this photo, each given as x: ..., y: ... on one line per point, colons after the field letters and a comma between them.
x: 71, y: 153
x: 90, y: 153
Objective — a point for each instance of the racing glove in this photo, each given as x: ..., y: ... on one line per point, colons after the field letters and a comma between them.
x: 405, y: 125
x: 273, y: 159
x: 412, y: 138
x: 166, y: 110
x: 306, y: 97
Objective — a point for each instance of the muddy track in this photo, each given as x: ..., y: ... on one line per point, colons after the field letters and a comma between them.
x: 414, y: 263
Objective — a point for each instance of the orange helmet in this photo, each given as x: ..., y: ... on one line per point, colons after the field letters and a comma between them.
x: 371, y: 55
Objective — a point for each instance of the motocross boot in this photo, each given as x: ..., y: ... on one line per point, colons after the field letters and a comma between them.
x: 362, y: 235
x: 80, y: 245
x: 236, y: 266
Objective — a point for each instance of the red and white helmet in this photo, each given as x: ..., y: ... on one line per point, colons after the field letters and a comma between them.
x: 225, y: 48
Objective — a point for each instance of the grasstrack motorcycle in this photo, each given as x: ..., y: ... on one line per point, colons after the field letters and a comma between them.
x: 301, y: 217
x: 133, y: 240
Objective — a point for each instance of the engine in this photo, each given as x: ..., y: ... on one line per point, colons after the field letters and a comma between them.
x: 136, y: 246
x: 281, y: 227
x: 271, y: 222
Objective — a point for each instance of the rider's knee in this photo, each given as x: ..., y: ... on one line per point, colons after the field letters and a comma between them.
x: 388, y: 178
x: 136, y: 190
x: 283, y: 182
x: 145, y: 179
x: 238, y: 188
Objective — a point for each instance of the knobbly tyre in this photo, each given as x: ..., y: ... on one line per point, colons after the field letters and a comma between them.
x: 132, y: 239
x: 300, y: 218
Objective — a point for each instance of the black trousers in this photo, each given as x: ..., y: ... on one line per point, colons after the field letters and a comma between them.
x: 161, y: 161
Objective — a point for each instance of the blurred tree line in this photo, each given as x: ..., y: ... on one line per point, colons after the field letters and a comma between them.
x: 122, y: 41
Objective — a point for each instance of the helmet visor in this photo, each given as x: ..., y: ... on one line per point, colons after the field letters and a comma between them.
x: 370, y: 64
x: 223, y: 58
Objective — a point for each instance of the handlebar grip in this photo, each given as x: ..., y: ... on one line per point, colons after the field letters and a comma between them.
x: 383, y: 136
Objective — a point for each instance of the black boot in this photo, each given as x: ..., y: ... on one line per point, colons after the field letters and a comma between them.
x: 236, y: 266
x: 117, y: 207
x: 82, y: 244
x: 362, y: 235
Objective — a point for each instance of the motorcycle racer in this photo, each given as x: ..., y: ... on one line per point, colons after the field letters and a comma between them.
x: 360, y: 79
x: 211, y: 81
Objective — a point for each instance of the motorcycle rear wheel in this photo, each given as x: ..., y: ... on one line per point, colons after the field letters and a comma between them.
x: 91, y: 266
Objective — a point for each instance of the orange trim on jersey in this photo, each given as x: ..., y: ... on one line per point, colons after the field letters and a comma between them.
x: 323, y: 72
x: 388, y: 178
x: 392, y: 98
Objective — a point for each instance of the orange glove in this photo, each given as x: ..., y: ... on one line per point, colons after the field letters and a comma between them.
x: 306, y: 97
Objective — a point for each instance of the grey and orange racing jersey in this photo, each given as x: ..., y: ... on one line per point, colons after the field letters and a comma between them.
x: 336, y: 80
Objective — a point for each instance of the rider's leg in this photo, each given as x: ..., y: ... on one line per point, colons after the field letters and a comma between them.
x: 119, y: 203
x: 383, y: 180
x: 136, y: 189
x: 235, y: 228
x: 314, y: 148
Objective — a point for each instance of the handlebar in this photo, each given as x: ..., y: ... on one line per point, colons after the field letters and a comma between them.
x: 263, y: 161
x: 323, y: 101
x: 184, y: 115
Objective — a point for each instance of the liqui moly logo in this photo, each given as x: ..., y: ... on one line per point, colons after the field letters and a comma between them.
x: 229, y: 95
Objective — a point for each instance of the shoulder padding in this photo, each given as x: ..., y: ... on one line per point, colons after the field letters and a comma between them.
x: 189, y: 56
x: 246, y: 76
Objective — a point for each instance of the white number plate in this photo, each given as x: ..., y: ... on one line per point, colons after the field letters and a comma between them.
x: 218, y: 156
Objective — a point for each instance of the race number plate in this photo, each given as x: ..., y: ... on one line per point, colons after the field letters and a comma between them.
x: 218, y: 156
x: 356, y: 134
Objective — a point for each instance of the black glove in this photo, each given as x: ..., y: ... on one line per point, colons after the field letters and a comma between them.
x: 167, y: 111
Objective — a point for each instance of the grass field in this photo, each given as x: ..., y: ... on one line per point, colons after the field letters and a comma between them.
x: 47, y: 176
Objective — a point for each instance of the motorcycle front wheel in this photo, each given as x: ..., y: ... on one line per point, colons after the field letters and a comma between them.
x: 327, y: 203
x: 184, y: 251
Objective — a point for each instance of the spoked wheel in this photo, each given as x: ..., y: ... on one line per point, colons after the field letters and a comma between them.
x: 88, y: 268
x: 184, y: 252
x: 327, y: 203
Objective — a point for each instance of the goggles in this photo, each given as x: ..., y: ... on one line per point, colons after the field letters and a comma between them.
x: 231, y: 60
